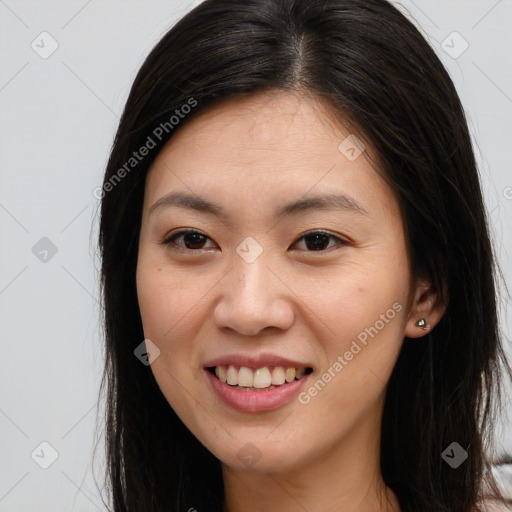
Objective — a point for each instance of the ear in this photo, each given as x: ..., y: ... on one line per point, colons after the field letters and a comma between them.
x: 427, y: 304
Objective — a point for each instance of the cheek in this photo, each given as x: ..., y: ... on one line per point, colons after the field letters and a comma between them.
x: 167, y: 298
x: 166, y: 311
x: 360, y: 325
x: 359, y: 360
x: 171, y: 303
x: 164, y: 317
x: 345, y: 300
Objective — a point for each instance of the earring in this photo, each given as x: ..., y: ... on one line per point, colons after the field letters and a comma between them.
x: 423, y: 324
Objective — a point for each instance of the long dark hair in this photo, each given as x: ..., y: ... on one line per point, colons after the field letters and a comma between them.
x: 376, y: 70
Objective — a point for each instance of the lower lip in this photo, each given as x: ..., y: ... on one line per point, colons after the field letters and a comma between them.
x: 255, y: 401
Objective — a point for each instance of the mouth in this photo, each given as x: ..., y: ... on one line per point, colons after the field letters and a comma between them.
x: 261, y: 379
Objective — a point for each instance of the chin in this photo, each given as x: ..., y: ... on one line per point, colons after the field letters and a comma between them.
x: 249, y: 454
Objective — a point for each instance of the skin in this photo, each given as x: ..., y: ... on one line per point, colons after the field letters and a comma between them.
x: 252, y: 155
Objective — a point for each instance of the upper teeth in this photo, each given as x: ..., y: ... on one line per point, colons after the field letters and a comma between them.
x: 257, y: 377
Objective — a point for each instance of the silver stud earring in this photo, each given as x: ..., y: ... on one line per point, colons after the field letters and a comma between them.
x: 423, y: 324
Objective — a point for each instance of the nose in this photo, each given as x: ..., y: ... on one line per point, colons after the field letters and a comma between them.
x: 254, y: 297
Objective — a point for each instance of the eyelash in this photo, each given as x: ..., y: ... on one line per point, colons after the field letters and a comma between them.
x: 169, y: 241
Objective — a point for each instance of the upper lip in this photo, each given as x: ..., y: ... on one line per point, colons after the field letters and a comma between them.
x: 256, y: 361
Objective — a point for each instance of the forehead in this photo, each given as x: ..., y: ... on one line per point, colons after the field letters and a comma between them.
x: 272, y: 145
x: 275, y: 120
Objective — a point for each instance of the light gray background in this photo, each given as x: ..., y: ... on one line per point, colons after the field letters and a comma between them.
x: 58, y: 117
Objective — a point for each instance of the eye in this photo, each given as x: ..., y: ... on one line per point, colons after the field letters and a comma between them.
x: 316, y: 240
x: 194, y: 240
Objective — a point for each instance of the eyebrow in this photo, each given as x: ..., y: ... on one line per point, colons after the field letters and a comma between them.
x: 316, y: 202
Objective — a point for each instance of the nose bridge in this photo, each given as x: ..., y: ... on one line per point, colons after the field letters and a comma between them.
x: 250, y: 261
x: 251, y: 287
x: 250, y: 276
x: 253, y: 298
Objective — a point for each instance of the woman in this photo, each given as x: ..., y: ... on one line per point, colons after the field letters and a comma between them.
x: 298, y: 281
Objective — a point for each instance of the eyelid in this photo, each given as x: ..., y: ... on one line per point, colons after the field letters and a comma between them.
x: 169, y: 239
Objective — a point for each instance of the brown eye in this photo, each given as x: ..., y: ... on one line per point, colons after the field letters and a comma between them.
x: 318, y: 240
x: 192, y: 240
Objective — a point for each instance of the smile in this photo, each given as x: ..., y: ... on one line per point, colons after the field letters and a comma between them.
x: 256, y: 389
x: 257, y: 379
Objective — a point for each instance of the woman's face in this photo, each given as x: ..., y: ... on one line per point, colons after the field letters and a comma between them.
x: 259, y: 291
